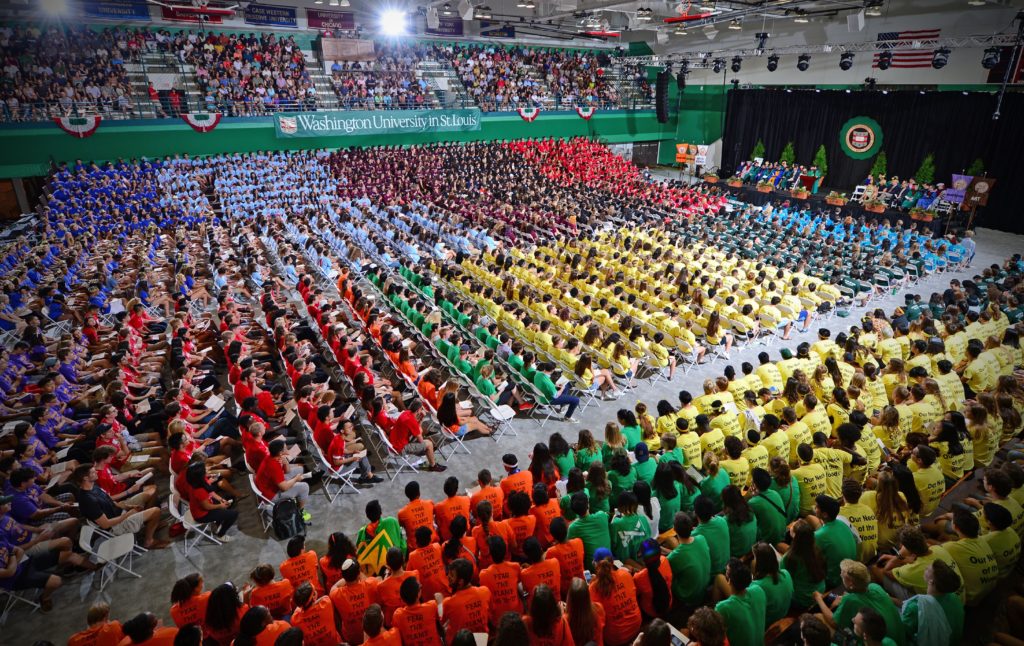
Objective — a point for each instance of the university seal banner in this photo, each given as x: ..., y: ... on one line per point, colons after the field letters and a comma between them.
x: 860, y: 137
x: 375, y: 122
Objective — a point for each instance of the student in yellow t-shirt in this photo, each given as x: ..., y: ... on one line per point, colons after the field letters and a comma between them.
x: 737, y: 466
x: 835, y: 462
x: 862, y: 518
x: 816, y: 417
x: 928, y: 478
x: 974, y: 558
x: 773, y: 439
x: 811, y: 478
x: 796, y: 431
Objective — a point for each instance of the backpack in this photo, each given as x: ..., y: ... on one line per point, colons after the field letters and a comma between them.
x: 287, y: 520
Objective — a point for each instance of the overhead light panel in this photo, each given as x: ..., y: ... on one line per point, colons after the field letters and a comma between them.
x: 991, y: 58
x: 976, y: 3
x: 846, y: 61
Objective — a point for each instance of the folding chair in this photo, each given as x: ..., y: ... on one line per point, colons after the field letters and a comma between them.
x: 264, y: 506
x: 115, y: 552
x: 449, y: 439
x: 11, y: 599
x: 335, y: 480
x: 399, y: 460
x: 192, y: 528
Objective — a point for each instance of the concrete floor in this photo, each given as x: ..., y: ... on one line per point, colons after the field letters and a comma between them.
x: 234, y: 561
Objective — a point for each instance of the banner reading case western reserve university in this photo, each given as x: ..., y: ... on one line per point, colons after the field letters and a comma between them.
x: 375, y: 122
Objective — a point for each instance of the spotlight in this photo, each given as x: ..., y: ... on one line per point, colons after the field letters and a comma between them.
x: 846, y: 61
x: 940, y: 58
x: 54, y: 8
x: 737, y: 62
x: 392, y: 22
x: 736, y: 84
x: 446, y: 9
x: 803, y: 61
x: 873, y: 11
x: 885, y: 59
x: 680, y: 31
x: 801, y: 16
x: 991, y: 58
x: 718, y: 65
x: 735, y: 24
x: 773, y: 62
x: 976, y: 3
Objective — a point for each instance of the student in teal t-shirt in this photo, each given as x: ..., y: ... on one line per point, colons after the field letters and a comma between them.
x: 644, y: 467
x: 943, y: 589
x: 690, y: 562
x: 805, y: 565
x: 744, y: 610
x: 741, y: 520
x: 834, y: 538
x: 669, y: 494
x: 716, y: 480
x: 591, y: 528
x: 629, y: 528
x: 860, y: 592
x: 776, y: 583
x: 715, y: 531
x: 767, y: 507
x: 564, y: 456
x: 630, y: 428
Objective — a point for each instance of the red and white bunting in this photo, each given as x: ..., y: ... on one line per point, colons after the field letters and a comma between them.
x: 528, y: 114
x: 80, y: 127
x: 202, y: 121
x: 586, y: 113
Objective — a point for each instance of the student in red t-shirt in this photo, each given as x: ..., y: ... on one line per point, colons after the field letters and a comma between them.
x: 417, y: 512
x: 315, y: 616
x: 272, y: 483
x: 339, y: 550
x: 654, y: 582
x: 485, y: 529
x: 452, y: 506
x: 417, y: 622
x: 520, y: 521
x: 145, y: 630
x: 515, y: 479
x: 373, y: 629
x: 188, y: 601
x: 428, y: 561
x: 469, y: 606
x: 502, y: 579
x: 614, y: 589
x: 205, y: 505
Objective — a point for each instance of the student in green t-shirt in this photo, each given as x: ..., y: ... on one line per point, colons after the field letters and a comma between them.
x: 668, y: 492
x: 834, y: 538
x: 629, y: 529
x: 784, y: 484
x: 620, y: 475
x: 744, y: 610
x: 776, y: 583
x: 716, y: 480
x: 630, y: 427
x: 587, y: 449
x: 804, y: 564
x: 644, y: 467
x: 715, y: 531
x: 767, y: 508
x: 591, y: 528
x: 564, y: 456
x: 690, y: 561
x: 575, y: 483
x: 860, y: 592
x: 741, y: 520
x: 870, y: 626
x: 943, y: 586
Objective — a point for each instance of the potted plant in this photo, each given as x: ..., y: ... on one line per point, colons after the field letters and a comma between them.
x: 834, y: 198
x: 800, y: 193
x: 922, y: 215
x: 711, y: 178
x: 765, y: 187
x: 874, y: 206
x: 734, y: 182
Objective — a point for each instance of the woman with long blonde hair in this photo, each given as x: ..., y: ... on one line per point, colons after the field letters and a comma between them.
x: 890, y: 507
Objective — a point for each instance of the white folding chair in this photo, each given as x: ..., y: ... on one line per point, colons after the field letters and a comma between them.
x: 11, y: 599
x: 264, y: 506
x: 198, y: 531
x: 399, y: 460
x: 335, y: 480
x: 452, y: 440
x: 114, y: 552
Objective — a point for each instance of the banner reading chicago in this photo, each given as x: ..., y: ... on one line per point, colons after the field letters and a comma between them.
x: 360, y: 122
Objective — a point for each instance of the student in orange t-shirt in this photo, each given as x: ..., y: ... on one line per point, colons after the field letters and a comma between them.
x: 428, y: 561
x: 460, y: 546
x: 101, y: 631
x: 276, y: 596
x: 545, y: 624
x: 387, y: 592
x: 539, y: 571
x: 520, y: 521
x: 188, y: 601
x: 545, y: 509
x: 568, y: 553
x: 502, y: 579
x: 654, y: 582
x: 514, y: 480
x: 315, y: 616
x: 145, y: 630
x: 300, y: 566
x: 469, y: 606
x: 417, y: 513
x: 454, y: 505
x: 586, y: 618
x: 489, y: 492
x: 351, y: 597
x: 416, y: 622
x: 259, y: 628
x: 485, y: 530
x: 614, y: 589
x: 339, y: 550
x: 373, y: 629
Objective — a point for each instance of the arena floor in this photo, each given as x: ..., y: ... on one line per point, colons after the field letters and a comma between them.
x: 234, y: 561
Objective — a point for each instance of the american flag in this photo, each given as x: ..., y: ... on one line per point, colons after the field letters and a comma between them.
x: 904, y: 55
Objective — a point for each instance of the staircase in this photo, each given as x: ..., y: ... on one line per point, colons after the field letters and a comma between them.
x: 440, y: 75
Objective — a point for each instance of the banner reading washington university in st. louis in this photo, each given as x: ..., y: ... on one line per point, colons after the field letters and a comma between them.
x: 375, y: 122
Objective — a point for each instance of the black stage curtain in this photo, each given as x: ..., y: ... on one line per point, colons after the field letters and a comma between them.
x: 954, y: 127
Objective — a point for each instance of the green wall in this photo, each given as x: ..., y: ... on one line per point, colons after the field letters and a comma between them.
x: 27, y: 150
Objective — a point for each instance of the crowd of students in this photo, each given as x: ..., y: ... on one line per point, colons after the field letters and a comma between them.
x: 738, y: 507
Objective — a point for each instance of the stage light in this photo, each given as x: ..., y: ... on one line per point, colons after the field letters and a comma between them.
x: 773, y: 62
x: 976, y: 3
x: 718, y: 65
x: 735, y: 24
x: 803, y: 62
x: 801, y: 17
x: 991, y: 58
x: 392, y: 22
x: 940, y: 58
x: 885, y: 59
x: 874, y: 11
x: 846, y: 61
x: 737, y: 62
x: 54, y: 8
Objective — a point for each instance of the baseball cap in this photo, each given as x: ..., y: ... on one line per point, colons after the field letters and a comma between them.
x: 602, y: 553
x: 642, y: 452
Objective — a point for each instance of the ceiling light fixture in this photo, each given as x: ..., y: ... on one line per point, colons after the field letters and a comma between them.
x: 885, y: 59
x: 803, y: 62
x: 991, y: 58
x: 801, y: 17
x: 846, y: 61
x: 773, y: 62
x: 735, y: 24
